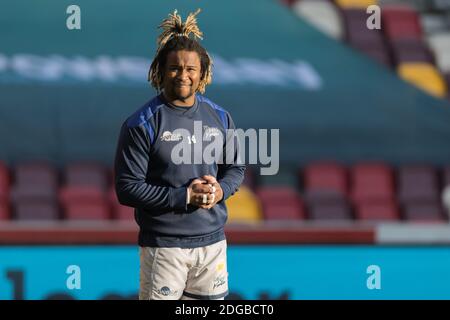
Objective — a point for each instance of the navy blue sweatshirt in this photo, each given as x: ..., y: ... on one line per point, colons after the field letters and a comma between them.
x: 147, y: 178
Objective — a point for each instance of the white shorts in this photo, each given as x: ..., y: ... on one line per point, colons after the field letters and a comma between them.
x: 184, y: 273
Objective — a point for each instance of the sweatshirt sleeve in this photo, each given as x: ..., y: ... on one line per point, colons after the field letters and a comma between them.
x: 130, y: 169
x: 231, y: 172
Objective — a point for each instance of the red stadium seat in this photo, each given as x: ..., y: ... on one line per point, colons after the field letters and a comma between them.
x: 411, y: 50
x: 123, y: 213
x: 87, y: 211
x: 377, y: 53
x: 36, y: 210
x: 400, y: 22
x: 86, y: 174
x: 120, y: 212
x: 4, y: 183
x: 280, y: 203
x: 383, y: 211
x: 74, y: 194
x: 276, y: 194
x: 372, y: 182
x: 292, y: 210
x: 84, y: 203
x: 325, y: 176
x: 5, y: 212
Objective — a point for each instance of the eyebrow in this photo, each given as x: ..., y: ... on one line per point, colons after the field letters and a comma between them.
x: 177, y: 65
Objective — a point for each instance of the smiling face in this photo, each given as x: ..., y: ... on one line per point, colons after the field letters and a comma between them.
x: 182, y: 74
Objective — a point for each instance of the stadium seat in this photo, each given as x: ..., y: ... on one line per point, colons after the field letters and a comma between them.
x: 417, y: 184
x: 80, y: 194
x: 356, y: 31
x: 410, y: 50
x: 87, y: 211
x: 372, y: 182
x: 440, y: 45
x: 329, y: 211
x: 424, y: 76
x: 120, y: 212
x: 36, y: 173
x: 322, y: 14
x: 4, y: 183
x: 363, y: 4
x: 244, y: 207
x: 36, y: 210
x: 401, y: 22
x: 377, y: 53
x: 381, y: 211
x: 325, y: 176
x: 34, y: 182
x: 292, y: 210
x: 276, y: 193
x: 5, y: 212
x: 33, y: 191
x: 423, y: 212
x: 86, y: 174
x: 275, y: 201
x: 419, y: 5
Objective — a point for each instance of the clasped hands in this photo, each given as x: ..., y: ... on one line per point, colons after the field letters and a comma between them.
x: 204, y: 192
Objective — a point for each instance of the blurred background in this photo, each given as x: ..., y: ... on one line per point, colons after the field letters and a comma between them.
x: 360, y: 206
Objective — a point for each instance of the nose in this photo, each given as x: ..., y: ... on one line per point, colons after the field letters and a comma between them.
x: 182, y: 74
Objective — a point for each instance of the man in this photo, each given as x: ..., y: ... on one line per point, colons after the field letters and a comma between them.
x: 179, y: 207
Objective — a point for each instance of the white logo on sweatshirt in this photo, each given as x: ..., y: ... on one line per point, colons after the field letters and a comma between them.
x: 210, y: 132
x: 169, y: 136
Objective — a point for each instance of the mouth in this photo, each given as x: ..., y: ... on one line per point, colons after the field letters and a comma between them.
x: 182, y: 85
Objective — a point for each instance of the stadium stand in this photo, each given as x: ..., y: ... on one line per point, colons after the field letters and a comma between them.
x: 413, y: 45
x: 424, y: 76
x: 244, y: 207
x: 325, y: 190
x: 355, y: 3
x: 5, y: 212
x: 281, y: 203
x: 414, y: 38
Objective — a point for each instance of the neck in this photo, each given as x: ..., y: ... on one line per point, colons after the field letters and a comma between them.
x: 188, y: 102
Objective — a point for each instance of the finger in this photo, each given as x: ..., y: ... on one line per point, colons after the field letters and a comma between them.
x: 197, y: 181
x: 201, y: 188
x: 209, y: 179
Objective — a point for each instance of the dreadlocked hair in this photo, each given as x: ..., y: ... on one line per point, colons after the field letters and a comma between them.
x: 176, y: 37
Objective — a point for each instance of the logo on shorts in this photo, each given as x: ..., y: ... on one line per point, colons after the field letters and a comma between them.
x: 218, y: 281
x: 165, y: 291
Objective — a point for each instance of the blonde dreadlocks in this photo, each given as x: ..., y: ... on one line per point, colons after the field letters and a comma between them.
x: 175, y: 37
